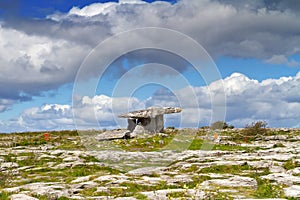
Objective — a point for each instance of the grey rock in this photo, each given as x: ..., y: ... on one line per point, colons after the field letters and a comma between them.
x: 12, y: 190
x: 293, y: 191
x: 129, y: 134
x: 81, y: 179
x: 85, y: 185
x: 162, y: 194
x: 22, y: 197
x: 236, y: 181
x: 181, y: 178
x: 54, y: 189
x: 102, y: 189
x: 276, y: 169
x: 283, y: 178
x: 7, y: 165
x: 150, y: 112
x: 294, y: 171
x: 71, y: 159
x: 144, y: 171
x: 111, y: 134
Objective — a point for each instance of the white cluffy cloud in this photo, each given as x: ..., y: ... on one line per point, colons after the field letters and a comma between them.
x: 31, y: 64
x: 247, y: 100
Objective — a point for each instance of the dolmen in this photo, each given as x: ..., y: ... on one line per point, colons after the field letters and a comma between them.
x: 147, y: 121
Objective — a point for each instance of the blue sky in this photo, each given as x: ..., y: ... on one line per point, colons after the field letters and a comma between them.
x: 255, y: 46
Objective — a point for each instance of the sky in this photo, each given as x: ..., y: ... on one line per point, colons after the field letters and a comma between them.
x: 78, y: 64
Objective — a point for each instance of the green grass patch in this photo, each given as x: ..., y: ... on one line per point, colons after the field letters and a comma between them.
x: 88, y: 192
x: 4, y: 196
x: 149, y: 143
x: 231, y: 169
x: 172, y: 195
x: 278, y: 145
x: 267, y: 190
x: 140, y: 196
x: 134, y: 188
x: 199, y: 144
x: 290, y: 164
x: 10, y: 157
x: 89, y: 158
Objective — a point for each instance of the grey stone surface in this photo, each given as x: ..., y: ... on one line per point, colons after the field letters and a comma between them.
x: 293, y: 191
x: 150, y: 112
x: 22, y: 197
x: 6, y: 165
x: 138, y: 130
x: 12, y: 190
x: 85, y: 185
x: 283, y: 178
x: 110, y: 134
x: 162, y: 194
x: 236, y: 181
x: 81, y: 179
x: 54, y: 189
x: 131, y: 124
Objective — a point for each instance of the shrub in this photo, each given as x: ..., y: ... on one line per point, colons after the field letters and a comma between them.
x: 256, y: 129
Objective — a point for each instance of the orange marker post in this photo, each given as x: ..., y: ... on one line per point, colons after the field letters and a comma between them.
x: 216, y: 136
x: 47, y: 136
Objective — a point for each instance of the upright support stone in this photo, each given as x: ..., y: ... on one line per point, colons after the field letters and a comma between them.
x: 159, y: 123
x: 131, y: 124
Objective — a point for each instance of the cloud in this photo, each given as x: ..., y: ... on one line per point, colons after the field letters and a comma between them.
x: 38, y: 55
x: 282, y: 60
x: 58, y: 117
x: 31, y: 64
x: 248, y: 100
x: 254, y: 29
x: 5, y: 104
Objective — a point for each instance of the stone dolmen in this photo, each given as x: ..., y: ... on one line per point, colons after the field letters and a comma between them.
x: 150, y: 120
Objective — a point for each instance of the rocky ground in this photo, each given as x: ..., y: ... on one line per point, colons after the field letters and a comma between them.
x: 184, y: 164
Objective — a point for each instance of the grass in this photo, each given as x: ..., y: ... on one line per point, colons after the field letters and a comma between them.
x: 34, y: 139
x: 61, y: 175
x: 290, y: 164
x: 5, y: 179
x: 150, y: 143
x: 265, y: 189
x: 4, y: 196
x: 135, y: 188
x: 230, y: 169
x: 199, y: 144
x: 89, y: 158
x: 140, y: 196
x: 88, y: 192
x: 172, y: 195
